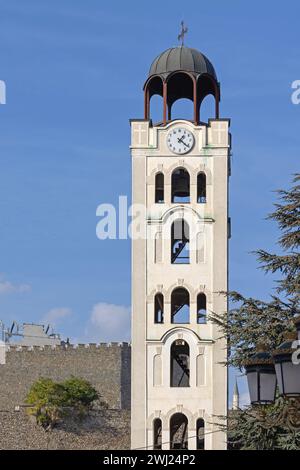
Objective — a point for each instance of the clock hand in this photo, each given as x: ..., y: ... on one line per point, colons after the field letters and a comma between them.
x: 183, y: 142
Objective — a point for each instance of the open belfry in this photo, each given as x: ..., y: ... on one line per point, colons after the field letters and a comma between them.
x: 180, y: 172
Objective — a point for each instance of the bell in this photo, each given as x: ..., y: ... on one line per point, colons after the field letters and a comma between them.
x: 160, y: 186
x: 181, y: 184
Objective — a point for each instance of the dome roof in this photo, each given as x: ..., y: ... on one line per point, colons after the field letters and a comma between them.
x: 181, y: 58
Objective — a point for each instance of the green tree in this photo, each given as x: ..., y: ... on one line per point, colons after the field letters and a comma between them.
x: 252, y: 321
x: 78, y: 393
x: 50, y: 401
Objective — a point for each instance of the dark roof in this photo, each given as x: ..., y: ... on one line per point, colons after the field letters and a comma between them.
x: 182, y: 58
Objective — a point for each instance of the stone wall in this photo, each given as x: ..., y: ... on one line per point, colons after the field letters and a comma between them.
x: 105, y: 366
x: 102, y: 430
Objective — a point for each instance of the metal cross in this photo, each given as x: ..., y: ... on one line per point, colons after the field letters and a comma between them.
x: 183, y: 32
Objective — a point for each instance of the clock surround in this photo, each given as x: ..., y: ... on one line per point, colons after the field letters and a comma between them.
x: 180, y: 140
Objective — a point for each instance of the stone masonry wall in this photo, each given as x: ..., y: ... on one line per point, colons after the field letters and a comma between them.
x: 106, y: 430
x: 105, y: 366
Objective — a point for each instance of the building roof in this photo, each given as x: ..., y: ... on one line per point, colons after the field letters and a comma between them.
x: 181, y: 58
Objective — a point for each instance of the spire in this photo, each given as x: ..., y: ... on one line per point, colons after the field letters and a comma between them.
x: 236, y: 397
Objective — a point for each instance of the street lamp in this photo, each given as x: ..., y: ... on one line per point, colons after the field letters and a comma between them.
x: 287, y: 366
x: 261, y: 377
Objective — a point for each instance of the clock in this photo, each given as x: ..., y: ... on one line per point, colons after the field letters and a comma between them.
x: 180, y: 140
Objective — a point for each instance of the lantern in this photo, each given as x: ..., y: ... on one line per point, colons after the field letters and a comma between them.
x: 261, y: 377
x: 287, y: 366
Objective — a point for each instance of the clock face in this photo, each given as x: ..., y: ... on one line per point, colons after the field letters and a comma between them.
x: 180, y: 140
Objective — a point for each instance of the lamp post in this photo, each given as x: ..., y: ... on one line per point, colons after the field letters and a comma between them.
x: 287, y: 369
x: 261, y: 377
x: 265, y: 370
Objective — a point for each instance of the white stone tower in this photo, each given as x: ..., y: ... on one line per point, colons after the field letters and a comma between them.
x: 180, y: 170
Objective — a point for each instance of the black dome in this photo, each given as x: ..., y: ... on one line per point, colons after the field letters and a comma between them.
x: 182, y: 58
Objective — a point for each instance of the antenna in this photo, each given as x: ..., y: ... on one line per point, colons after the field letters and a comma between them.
x: 12, y: 328
x: 11, y: 331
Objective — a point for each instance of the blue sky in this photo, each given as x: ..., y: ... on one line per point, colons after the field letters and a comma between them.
x: 73, y: 68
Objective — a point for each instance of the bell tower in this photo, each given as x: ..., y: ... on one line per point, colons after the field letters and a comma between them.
x: 180, y: 172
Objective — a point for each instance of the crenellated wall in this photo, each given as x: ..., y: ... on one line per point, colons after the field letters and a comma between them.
x: 106, y: 366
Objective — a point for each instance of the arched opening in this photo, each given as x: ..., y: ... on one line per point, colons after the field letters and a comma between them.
x: 178, y: 431
x: 181, y: 109
x: 208, y: 108
x: 157, y: 434
x: 180, y: 253
x: 156, y: 109
x: 180, y: 364
x: 180, y: 186
x: 180, y: 86
x: 159, y: 188
x: 159, y: 308
x: 180, y: 306
x: 200, y: 434
x: 201, y: 188
x: 154, y: 99
x: 207, y: 85
x: 201, y: 309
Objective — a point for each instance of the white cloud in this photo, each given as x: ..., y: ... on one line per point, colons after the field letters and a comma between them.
x: 108, y: 322
x: 56, y: 315
x: 7, y: 287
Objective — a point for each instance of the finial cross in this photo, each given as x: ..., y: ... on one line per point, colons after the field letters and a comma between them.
x: 183, y: 32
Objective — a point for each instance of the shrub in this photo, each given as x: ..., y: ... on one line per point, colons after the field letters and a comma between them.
x: 50, y: 401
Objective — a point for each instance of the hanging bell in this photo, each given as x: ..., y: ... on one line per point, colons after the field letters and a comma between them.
x: 181, y: 184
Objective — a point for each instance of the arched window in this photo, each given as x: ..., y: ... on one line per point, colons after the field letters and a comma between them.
x: 180, y: 186
x: 201, y: 188
x: 180, y: 364
x: 200, y: 434
x: 159, y: 188
x: 180, y: 236
x: 201, y: 309
x: 180, y: 306
x: 178, y: 431
x: 159, y: 308
x: 157, y: 431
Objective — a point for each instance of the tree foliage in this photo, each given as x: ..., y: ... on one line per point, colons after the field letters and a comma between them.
x: 252, y: 321
x: 50, y: 401
x: 287, y: 216
x: 266, y: 427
